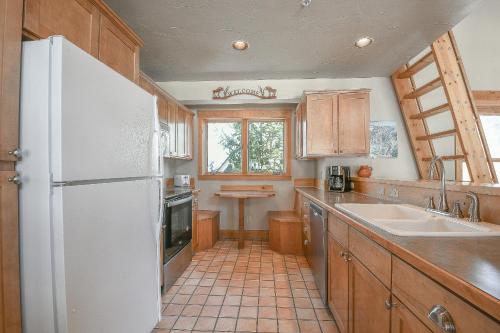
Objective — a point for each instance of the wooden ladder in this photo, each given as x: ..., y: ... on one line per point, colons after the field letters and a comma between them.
x: 471, y: 144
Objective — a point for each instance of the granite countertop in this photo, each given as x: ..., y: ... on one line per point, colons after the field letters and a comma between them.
x: 470, y: 267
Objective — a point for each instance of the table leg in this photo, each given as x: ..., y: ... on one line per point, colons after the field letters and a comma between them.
x: 241, y: 208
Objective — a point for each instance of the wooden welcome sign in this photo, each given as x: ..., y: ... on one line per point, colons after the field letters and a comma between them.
x: 225, y: 93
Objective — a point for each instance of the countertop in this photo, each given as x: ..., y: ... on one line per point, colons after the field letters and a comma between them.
x: 470, y: 267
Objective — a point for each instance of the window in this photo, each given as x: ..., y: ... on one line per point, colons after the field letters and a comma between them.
x: 491, y: 127
x: 223, y: 147
x: 244, y: 144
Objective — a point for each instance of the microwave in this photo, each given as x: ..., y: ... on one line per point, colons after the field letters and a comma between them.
x: 182, y: 180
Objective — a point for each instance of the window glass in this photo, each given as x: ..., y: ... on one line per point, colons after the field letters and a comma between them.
x: 266, y: 147
x: 491, y: 127
x: 223, y: 147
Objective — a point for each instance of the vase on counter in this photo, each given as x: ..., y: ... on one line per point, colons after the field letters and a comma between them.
x: 365, y: 171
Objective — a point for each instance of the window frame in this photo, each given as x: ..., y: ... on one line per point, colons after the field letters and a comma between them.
x: 486, y: 110
x: 244, y: 116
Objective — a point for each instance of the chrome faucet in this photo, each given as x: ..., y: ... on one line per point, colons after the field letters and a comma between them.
x: 443, y: 200
x: 474, y: 207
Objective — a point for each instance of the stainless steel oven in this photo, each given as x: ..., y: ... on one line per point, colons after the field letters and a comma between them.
x: 177, y: 226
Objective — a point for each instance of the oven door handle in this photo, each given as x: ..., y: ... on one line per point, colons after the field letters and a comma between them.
x: 179, y: 202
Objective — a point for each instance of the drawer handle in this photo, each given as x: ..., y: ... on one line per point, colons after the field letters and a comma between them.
x: 442, y: 318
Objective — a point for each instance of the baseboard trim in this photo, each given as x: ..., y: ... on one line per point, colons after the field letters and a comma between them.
x: 248, y: 234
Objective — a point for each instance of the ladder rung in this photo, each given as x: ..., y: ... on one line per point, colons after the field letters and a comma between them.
x: 436, y: 135
x: 431, y: 112
x: 425, y: 89
x: 446, y: 158
x: 417, y: 67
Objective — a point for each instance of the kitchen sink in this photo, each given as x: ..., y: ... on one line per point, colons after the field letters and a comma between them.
x: 409, y: 220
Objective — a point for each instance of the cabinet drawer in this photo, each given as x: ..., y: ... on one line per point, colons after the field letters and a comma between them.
x: 420, y: 294
x: 338, y: 229
x: 373, y: 256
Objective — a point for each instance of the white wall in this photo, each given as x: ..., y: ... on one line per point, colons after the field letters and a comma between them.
x: 477, y: 39
x: 383, y: 107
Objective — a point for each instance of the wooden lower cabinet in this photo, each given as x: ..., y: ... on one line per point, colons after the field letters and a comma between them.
x: 338, y: 283
x: 403, y: 321
x: 367, y: 296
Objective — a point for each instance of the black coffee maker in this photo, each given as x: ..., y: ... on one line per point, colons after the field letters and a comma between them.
x: 339, y: 179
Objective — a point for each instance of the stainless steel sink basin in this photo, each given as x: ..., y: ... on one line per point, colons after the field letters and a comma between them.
x: 408, y: 220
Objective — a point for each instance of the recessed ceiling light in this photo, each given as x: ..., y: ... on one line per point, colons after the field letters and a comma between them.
x: 305, y: 3
x: 363, y: 41
x: 240, y: 45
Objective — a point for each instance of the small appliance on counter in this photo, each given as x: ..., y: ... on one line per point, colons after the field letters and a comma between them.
x: 182, y: 180
x: 339, y: 179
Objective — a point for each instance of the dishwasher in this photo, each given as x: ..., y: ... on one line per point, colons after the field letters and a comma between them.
x: 317, y: 256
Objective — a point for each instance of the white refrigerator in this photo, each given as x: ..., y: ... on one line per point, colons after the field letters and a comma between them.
x: 90, y: 199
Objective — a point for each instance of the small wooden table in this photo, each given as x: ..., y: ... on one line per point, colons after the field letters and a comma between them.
x: 241, y: 193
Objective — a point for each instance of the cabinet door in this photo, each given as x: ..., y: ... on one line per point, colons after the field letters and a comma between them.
x: 403, y: 321
x: 145, y: 84
x: 298, y: 131
x: 77, y: 20
x: 322, y: 124
x: 189, y: 135
x: 194, y: 223
x: 367, y: 296
x: 162, y: 108
x: 181, y: 132
x: 338, y: 284
x: 171, y: 121
x: 117, y: 50
x: 354, y: 122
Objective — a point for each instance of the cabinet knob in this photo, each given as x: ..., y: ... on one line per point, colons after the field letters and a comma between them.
x: 15, y: 179
x: 346, y: 256
x: 306, y: 242
x: 341, y: 151
x: 389, y: 304
x: 442, y: 318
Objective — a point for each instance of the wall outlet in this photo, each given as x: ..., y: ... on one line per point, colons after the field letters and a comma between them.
x: 380, y: 191
x: 394, y: 193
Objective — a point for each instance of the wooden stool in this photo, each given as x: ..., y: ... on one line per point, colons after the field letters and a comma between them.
x: 208, y: 229
x: 285, y: 232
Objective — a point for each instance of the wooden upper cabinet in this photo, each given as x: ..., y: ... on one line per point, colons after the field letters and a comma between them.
x: 90, y: 25
x: 77, y: 20
x: 117, y: 50
x: 333, y: 123
x: 180, y: 122
x: 172, y: 125
x: 322, y: 124
x: 178, y: 118
x: 189, y: 134
x: 354, y: 123
x: 145, y: 83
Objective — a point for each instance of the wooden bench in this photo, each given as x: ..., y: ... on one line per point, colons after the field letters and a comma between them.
x: 285, y: 232
x: 208, y: 229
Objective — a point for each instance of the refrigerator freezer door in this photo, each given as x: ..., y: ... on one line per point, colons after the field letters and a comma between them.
x: 103, y: 125
x: 105, y: 250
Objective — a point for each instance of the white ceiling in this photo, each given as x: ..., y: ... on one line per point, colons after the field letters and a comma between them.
x: 190, y: 40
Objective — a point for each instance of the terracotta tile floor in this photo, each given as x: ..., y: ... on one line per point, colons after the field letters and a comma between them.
x: 249, y: 290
